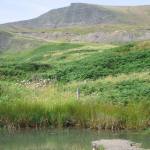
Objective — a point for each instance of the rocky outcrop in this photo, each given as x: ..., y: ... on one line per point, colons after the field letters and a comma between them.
x: 97, y: 37
x: 116, y: 144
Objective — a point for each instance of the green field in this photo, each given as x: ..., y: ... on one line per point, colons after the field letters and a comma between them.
x: 38, y: 86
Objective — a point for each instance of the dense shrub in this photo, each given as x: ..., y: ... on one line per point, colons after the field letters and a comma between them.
x: 109, y: 62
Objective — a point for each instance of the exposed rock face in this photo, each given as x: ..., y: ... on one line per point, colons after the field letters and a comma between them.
x: 98, y: 37
x: 113, y: 37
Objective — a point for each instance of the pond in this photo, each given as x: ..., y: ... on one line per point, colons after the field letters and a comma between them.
x: 69, y: 139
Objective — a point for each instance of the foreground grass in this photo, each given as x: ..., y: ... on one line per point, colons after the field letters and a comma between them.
x: 51, y: 107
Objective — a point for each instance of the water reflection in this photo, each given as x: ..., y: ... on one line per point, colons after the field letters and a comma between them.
x: 64, y: 139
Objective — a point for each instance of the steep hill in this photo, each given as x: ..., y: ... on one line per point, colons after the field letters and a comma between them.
x: 81, y: 22
x: 87, y: 14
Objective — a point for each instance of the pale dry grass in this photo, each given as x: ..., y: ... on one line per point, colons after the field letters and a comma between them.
x: 114, y: 79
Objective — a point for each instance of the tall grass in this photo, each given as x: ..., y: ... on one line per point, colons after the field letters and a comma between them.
x: 51, y: 107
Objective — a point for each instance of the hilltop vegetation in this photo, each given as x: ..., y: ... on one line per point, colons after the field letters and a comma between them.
x: 38, y: 86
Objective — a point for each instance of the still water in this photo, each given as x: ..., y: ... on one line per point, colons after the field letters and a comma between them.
x: 65, y: 139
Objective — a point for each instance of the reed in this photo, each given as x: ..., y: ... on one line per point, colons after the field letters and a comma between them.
x: 52, y: 107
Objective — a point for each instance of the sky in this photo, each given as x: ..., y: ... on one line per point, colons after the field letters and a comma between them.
x: 15, y: 10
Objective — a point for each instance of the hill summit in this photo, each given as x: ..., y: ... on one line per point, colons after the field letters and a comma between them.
x: 88, y: 14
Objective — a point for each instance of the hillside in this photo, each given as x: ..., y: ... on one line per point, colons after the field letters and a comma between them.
x: 77, y: 67
x: 73, y: 61
x: 13, y: 42
x: 87, y: 14
x: 38, y: 86
x: 81, y: 22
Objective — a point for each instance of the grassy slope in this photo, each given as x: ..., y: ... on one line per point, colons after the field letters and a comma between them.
x: 114, y: 95
x: 10, y: 41
x: 45, y: 59
x: 68, y: 62
x: 80, y: 30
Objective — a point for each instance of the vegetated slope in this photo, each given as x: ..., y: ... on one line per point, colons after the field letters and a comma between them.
x: 87, y: 14
x: 111, y: 62
x: 113, y: 82
x: 68, y: 62
x: 11, y: 41
x: 123, y: 71
x: 5, y: 39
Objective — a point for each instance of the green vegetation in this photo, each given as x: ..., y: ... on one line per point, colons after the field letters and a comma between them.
x: 101, y: 148
x: 111, y: 62
x: 43, y: 61
x: 10, y: 41
x: 113, y: 81
x: 119, y: 89
x: 50, y: 107
x: 108, y: 28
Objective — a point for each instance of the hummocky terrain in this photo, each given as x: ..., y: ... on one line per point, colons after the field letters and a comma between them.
x: 80, y: 22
